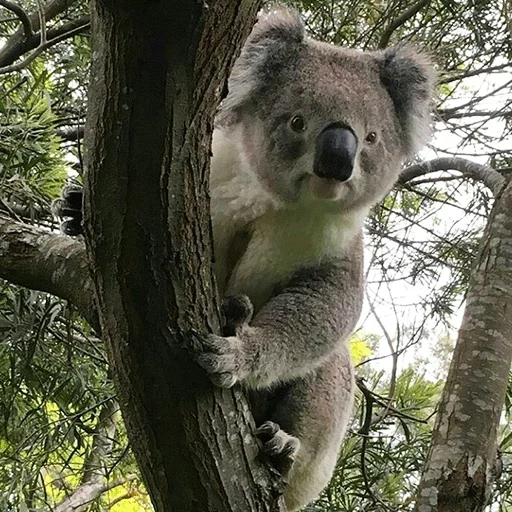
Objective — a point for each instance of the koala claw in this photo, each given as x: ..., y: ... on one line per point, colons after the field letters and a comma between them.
x: 222, y: 358
x: 280, y: 447
x: 69, y: 207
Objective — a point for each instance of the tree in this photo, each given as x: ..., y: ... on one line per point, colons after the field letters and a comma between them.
x: 42, y: 103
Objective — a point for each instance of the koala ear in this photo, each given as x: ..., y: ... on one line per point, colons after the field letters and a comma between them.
x: 409, y: 78
x: 275, y: 39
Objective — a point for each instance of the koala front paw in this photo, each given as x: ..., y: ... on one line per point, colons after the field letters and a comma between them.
x: 69, y: 208
x: 236, y: 312
x: 280, y: 447
x: 222, y: 358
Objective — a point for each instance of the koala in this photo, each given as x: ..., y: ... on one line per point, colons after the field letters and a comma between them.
x: 308, y: 139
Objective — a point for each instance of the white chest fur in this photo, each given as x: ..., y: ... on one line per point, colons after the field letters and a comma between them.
x: 281, y: 242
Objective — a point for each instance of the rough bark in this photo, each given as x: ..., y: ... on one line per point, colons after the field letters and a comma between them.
x: 460, y: 465
x: 157, y: 72
x: 33, y: 258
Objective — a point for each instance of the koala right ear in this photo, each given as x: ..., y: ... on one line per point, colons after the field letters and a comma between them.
x: 409, y: 78
x: 276, y: 38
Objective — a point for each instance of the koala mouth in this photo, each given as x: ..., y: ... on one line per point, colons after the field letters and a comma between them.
x: 325, y: 188
x: 335, y: 153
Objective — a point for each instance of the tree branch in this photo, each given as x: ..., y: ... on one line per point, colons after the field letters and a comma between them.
x: 103, y: 441
x: 57, y: 35
x: 71, y: 134
x: 52, y: 9
x: 397, y: 22
x: 446, y: 79
x: 445, y: 115
x: 459, y: 470
x: 94, y: 482
x: 22, y: 15
x: 44, y: 261
x: 491, y: 178
x: 87, y: 493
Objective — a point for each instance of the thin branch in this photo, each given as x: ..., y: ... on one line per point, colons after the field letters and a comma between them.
x: 374, y: 398
x: 71, y: 134
x: 121, y: 497
x: 103, y: 442
x: 42, y: 21
x: 491, y: 178
x: 87, y: 493
x: 43, y: 47
x: 394, y: 364
x: 22, y: 15
x: 403, y: 18
x: 12, y: 45
x: 444, y: 115
x: 460, y: 76
x: 474, y: 100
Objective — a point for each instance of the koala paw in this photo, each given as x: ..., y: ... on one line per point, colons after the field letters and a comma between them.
x: 69, y: 208
x: 222, y: 358
x: 236, y: 312
x: 280, y: 447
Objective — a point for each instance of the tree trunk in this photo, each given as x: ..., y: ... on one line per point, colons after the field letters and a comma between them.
x: 461, y: 462
x: 158, y: 70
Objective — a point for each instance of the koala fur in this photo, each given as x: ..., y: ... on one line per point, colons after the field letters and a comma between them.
x: 289, y: 236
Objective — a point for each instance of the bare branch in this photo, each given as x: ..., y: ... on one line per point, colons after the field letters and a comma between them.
x: 104, y: 437
x: 444, y: 115
x: 404, y: 17
x: 71, y: 134
x: 491, y: 178
x: 42, y: 21
x: 44, y: 46
x: 22, y: 15
x: 51, y: 10
x: 474, y: 72
x: 87, y: 493
x: 40, y: 260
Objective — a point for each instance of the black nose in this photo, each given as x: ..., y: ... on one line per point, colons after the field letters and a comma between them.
x: 335, y: 153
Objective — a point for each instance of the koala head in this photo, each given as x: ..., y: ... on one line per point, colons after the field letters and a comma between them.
x: 322, y: 122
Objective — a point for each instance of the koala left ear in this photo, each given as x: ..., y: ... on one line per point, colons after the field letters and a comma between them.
x: 409, y: 78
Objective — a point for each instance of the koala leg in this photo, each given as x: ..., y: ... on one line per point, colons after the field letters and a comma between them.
x: 316, y: 410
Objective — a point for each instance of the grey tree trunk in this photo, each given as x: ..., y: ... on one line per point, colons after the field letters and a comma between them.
x: 157, y: 74
x: 461, y: 462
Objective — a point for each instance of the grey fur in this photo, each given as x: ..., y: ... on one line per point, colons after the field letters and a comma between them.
x: 292, y: 242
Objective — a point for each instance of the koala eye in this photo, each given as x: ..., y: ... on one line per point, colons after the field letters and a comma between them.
x: 297, y: 124
x: 371, y: 138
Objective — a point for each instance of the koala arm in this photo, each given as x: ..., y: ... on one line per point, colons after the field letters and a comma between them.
x: 296, y: 330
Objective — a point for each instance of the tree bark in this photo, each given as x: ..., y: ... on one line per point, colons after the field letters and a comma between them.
x: 158, y: 70
x: 57, y: 264
x: 460, y: 465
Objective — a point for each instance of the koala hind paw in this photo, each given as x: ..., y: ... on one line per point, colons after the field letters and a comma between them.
x: 280, y: 447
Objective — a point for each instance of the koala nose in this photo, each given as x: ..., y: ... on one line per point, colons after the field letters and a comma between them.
x: 335, y: 153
